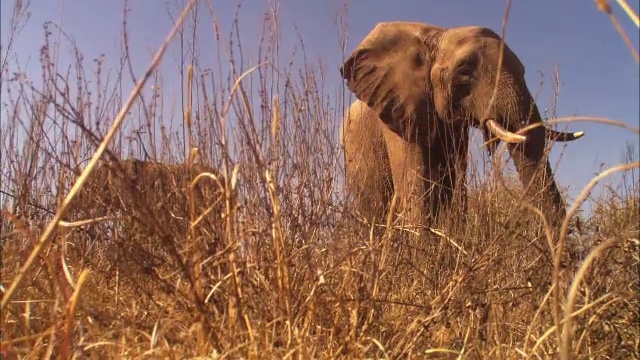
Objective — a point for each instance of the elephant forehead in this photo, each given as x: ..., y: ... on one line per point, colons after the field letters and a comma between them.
x: 448, y: 56
x: 390, y: 34
x: 458, y: 41
x: 414, y: 28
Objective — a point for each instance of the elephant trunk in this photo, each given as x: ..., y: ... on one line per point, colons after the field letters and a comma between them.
x: 529, y: 156
x: 537, y: 178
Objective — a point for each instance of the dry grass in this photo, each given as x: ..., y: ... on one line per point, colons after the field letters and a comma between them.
x: 246, y: 247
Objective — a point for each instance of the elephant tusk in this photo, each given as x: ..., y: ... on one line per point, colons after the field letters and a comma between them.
x: 563, y: 136
x: 504, y: 134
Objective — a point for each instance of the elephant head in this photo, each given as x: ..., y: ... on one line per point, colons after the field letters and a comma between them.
x: 415, y: 76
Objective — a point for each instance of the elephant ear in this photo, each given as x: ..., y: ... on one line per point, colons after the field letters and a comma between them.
x: 389, y: 70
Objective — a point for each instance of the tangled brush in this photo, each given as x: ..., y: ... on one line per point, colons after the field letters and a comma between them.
x: 154, y: 219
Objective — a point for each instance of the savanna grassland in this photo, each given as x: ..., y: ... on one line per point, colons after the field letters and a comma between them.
x: 235, y: 238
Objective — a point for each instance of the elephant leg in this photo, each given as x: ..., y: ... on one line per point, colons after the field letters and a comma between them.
x: 414, y: 183
x: 448, y: 158
x: 368, y: 172
x: 430, y: 179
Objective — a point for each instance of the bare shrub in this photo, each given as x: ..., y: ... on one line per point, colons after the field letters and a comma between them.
x: 264, y: 257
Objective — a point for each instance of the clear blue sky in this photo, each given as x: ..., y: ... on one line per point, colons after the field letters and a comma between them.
x: 599, y: 76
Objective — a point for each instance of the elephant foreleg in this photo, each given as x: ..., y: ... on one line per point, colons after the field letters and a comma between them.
x: 449, y: 157
x: 414, y: 184
x: 429, y: 179
x: 368, y: 172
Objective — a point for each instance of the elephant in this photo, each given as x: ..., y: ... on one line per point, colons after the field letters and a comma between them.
x: 419, y: 89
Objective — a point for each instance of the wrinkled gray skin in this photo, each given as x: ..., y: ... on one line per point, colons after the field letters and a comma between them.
x: 419, y: 89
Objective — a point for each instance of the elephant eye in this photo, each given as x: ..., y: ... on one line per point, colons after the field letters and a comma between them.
x: 466, y: 68
x: 465, y: 74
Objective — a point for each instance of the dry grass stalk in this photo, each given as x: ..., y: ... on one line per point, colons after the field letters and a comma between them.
x: 260, y: 254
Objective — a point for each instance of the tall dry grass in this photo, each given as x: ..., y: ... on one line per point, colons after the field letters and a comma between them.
x: 234, y: 239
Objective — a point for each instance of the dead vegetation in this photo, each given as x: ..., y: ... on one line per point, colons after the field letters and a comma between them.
x: 258, y: 254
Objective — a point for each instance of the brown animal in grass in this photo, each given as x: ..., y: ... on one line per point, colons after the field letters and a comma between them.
x: 153, y: 194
